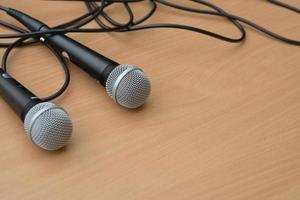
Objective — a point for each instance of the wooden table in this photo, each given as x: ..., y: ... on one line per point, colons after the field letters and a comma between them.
x: 222, y: 122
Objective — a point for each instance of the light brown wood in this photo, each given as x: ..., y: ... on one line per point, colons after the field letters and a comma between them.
x: 222, y: 122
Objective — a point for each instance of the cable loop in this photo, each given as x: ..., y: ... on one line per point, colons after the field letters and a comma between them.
x: 97, y: 12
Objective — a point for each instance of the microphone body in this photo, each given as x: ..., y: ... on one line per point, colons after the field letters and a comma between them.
x: 20, y: 99
x: 47, y: 125
x: 95, y: 64
x: 125, y: 84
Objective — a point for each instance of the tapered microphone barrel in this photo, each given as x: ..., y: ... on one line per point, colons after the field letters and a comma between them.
x: 95, y: 64
x: 20, y: 99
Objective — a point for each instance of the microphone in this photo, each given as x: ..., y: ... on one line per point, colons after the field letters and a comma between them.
x: 47, y: 125
x: 127, y: 85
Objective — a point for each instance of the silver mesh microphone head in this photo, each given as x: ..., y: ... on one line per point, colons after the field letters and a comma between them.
x: 128, y: 86
x: 48, y: 126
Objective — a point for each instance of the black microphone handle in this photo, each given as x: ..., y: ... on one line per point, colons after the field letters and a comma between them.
x: 20, y: 99
x: 95, y: 64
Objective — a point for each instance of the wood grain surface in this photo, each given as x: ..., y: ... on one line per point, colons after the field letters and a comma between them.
x: 222, y: 122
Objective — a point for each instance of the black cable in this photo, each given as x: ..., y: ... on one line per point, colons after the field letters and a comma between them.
x: 97, y: 11
x: 285, y: 5
x: 105, y: 3
x: 97, y: 19
x: 219, y: 13
x: 129, y: 28
x: 58, y: 56
x: 91, y: 16
x: 248, y: 22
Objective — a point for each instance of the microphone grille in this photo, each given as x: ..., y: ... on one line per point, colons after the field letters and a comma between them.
x: 48, y: 126
x: 128, y: 86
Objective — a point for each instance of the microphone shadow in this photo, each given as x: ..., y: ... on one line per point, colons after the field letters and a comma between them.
x: 132, y: 110
x: 60, y: 151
